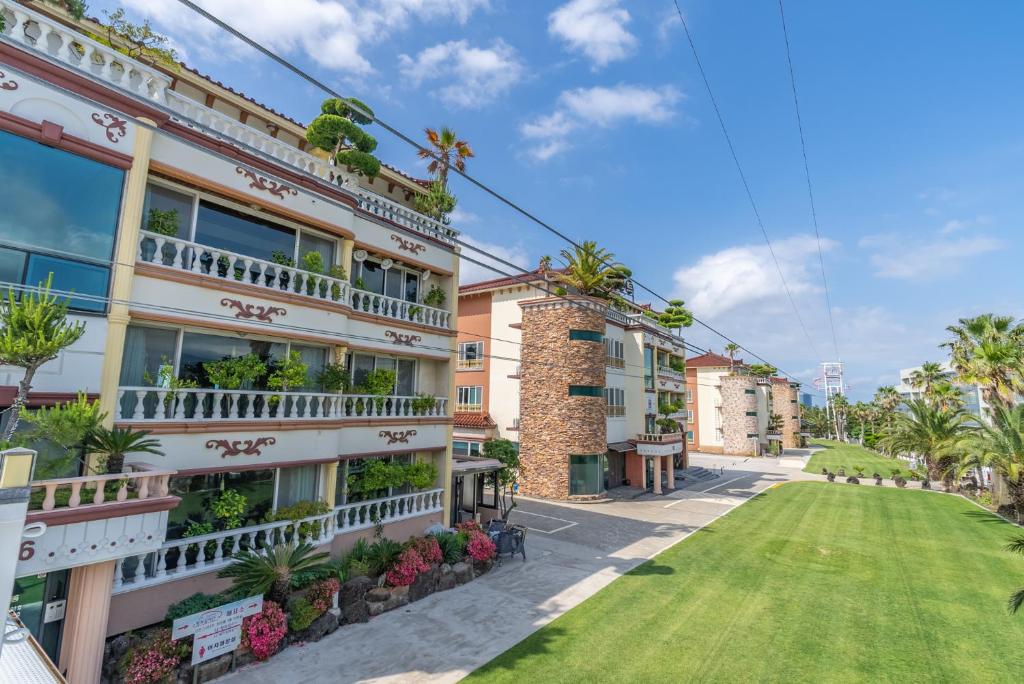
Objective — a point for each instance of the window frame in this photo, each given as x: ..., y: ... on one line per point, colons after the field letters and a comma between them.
x: 468, y: 407
x: 465, y: 364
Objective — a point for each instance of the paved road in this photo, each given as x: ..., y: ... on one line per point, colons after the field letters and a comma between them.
x: 573, y: 552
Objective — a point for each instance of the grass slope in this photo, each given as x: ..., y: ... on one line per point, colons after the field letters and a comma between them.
x: 837, y: 454
x: 807, y: 582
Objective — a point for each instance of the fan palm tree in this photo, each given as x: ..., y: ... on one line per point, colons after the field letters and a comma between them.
x: 445, y: 151
x: 840, y: 407
x: 591, y: 272
x: 926, y: 376
x: 988, y: 351
x: 283, y: 568
x: 930, y: 432
x: 730, y: 350
x: 117, y: 443
x: 999, y: 446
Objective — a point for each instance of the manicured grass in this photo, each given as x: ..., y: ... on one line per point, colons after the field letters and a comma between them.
x: 808, y: 582
x: 837, y: 454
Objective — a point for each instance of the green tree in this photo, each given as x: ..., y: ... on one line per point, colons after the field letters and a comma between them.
x: 925, y: 377
x: 114, y: 444
x: 288, y: 375
x: 928, y: 431
x: 988, y: 351
x: 337, y: 132
x: 436, y: 202
x: 275, y: 572
x: 676, y: 316
x: 945, y: 394
x: 999, y: 446
x: 445, y: 151
x: 136, y: 40
x: 33, y: 330
x: 508, y: 477
x: 763, y: 370
x: 591, y: 272
x: 730, y: 351
x: 1016, y: 599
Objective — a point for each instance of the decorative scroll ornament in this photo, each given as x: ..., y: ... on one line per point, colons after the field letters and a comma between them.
x: 397, y: 436
x: 10, y: 84
x: 402, y: 338
x: 243, y: 447
x: 257, y: 311
x: 262, y: 183
x: 115, y: 126
x: 359, y: 255
x: 408, y: 245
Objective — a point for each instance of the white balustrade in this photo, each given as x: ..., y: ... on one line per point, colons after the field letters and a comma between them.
x: 142, y: 482
x: 400, y: 309
x: 188, y: 556
x: 375, y: 204
x: 39, y: 34
x: 659, y: 438
x: 156, y: 404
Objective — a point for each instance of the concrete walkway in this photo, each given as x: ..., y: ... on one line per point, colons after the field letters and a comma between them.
x: 573, y: 552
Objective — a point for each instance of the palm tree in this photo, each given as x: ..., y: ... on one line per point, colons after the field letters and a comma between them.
x: 730, y: 350
x: 117, y: 443
x: 1016, y: 599
x: 446, y: 151
x: 926, y: 376
x: 275, y: 572
x: 988, y: 351
x: 946, y: 395
x: 591, y: 272
x: 928, y: 431
x: 840, y: 406
x: 999, y: 446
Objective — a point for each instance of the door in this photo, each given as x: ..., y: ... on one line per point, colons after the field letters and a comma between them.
x: 649, y: 473
x: 40, y: 601
x: 615, y: 470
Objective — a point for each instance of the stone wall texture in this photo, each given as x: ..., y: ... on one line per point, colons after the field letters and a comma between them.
x: 786, y: 403
x: 553, y: 425
x: 736, y: 424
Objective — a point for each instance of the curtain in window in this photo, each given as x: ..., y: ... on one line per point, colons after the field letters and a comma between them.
x: 297, y: 484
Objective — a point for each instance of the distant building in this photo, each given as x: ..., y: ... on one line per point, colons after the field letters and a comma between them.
x: 973, y: 401
x: 806, y: 399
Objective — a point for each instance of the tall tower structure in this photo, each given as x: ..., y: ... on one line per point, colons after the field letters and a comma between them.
x: 832, y: 383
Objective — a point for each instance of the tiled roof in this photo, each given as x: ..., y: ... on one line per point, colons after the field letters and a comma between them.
x: 712, y: 360
x: 532, y: 276
x: 474, y: 420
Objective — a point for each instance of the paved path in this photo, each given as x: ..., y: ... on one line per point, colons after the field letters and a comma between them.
x: 573, y: 552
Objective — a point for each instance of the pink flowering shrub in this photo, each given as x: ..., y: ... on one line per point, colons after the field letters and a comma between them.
x: 405, y: 569
x: 262, y: 633
x: 154, y: 660
x: 480, y: 547
x: 468, y: 526
x: 319, y: 594
x: 428, y: 548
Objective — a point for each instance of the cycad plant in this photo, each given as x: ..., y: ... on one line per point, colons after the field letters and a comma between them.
x: 277, y: 571
x: 116, y: 443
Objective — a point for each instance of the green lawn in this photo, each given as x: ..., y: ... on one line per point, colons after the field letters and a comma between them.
x: 807, y: 582
x: 837, y: 454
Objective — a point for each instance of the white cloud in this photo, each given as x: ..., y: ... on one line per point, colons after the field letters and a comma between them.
x: 746, y: 275
x: 473, y: 273
x: 897, y: 257
x: 601, y: 106
x: 333, y: 33
x: 597, y: 28
x: 473, y: 76
x: 956, y: 225
x: 460, y: 217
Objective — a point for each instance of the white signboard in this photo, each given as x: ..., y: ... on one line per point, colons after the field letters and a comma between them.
x: 218, y: 630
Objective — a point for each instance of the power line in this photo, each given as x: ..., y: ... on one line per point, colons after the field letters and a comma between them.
x: 743, y: 177
x: 500, y: 197
x: 807, y: 175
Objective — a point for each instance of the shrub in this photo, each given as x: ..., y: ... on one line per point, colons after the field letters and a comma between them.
x: 333, y: 378
x: 301, y: 614
x: 852, y: 480
x: 900, y: 481
x: 196, y: 603
x: 435, y: 297
x: 262, y: 633
x: 480, y: 547
x: 831, y: 477
x: 233, y: 372
x: 154, y: 660
x: 381, y: 555
x: 468, y: 526
x: 859, y: 470
x: 453, y: 546
x: 406, y: 568
x: 428, y: 548
x: 358, y: 568
x: 824, y: 471
x: 163, y: 222
x: 288, y: 374
x: 420, y: 475
x: 841, y: 472
x: 274, y: 572
x: 320, y: 594
x: 229, y: 508
x: 298, y: 511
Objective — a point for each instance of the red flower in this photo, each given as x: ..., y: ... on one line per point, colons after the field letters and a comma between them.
x: 406, y: 568
x: 480, y: 547
x: 262, y: 633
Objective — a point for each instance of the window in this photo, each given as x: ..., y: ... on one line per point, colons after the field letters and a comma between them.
x: 689, y: 396
x: 615, y: 399
x: 614, y: 354
x: 586, y: 475
x: 471, y: 356
x: 586, y: 335
x: 751, y: 413
x: 585, y: 391
x: 749, y: 391
x: 234, y: 231
x: 469, y: 399
x: 689, y: 436
x: 59, y: 216
x: 198, y: 493
x: 298, y: 484
x: 165, y: 199
x: 400, y: 282
x: 360, y: 366
x: 689, y: 415
x: 648, y: 368
x: 465, y: 448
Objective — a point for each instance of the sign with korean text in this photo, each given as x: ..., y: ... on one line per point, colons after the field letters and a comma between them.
x: 212, y: 643
x: 217, y: 630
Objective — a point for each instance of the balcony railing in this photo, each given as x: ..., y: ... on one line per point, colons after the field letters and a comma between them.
x: 470, y: 364
x: 669, y: 372
x: 158, y: 404
x: 614, y: 362
x: 657, y: 438
x: 209, y: 552
x: 39, y: 34
x: 469, y: 408
x: 179, y: 254
x: 142, y: 482
x: 615, y: 411
x: 372, y: 203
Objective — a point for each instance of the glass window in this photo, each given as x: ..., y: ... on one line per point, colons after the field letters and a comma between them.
x: 315, y: 359
x: 469, y: 398
x: 71, y: 276
x: 373, y: 277
x: 314, y: 243
x: 197, y: 348
x: 165, y: 199
x: 12, y: 266
x: 56, y: 200
x: 243, y: 234
x: 460, y: 448
x: 471, y: 355
x: 198, y: 493
x: 648, y: 368
x: 394, y: 284
x: 406, y: 385
x: 585, y: 391
x: 297, y: 484
x: 586, y: 475
x: 145, y: 351
x: 689, y: 436
x: 412, y: 286
x: 362, y: 364
x: 586, y: 335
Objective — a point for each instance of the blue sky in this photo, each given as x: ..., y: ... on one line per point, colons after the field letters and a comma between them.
x: 591, y: 113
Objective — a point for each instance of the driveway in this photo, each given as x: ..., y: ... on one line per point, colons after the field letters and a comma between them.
x: 573, y: 552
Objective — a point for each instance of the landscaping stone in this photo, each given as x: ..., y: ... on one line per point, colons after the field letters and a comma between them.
x: 463, y: 572
x: 481, y: 567
x: 374, y: 609
x: 446, y: 581
x: 378, y: 594
x: 317, y: 630
x: 212, y: 669
x: 425, y: 584
x: 351, y: 599
x: 399, y: 597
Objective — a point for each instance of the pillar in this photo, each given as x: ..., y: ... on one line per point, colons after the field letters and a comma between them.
x: 446, y: 463
x: 124, y: 269
x: 671, y: 467
x: 85, y: 622
x: 657, y: 474
x: 347, y: 245
x: 330, y: 474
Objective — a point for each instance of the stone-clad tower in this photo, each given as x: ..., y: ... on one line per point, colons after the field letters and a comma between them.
x: 789, y: 409
x: 561, y: 404
x: 739, y: 415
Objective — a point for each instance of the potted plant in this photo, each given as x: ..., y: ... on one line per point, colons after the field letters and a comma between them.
x: 283, y: 277
x: 842, y: 471
x: 287, y: 375
x: 435, y: 297
x: 333, y: 378
x: 423, y: 404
